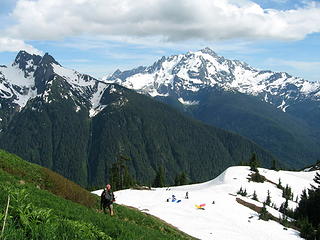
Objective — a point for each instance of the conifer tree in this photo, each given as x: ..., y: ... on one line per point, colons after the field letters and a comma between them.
x: 279, y: 185
x: 309, y: 206
x: 159, y: 180
x: 316, y: 179
x: 306, y: 230
x: 318, y: 233
x: 268, y: 200
x: 183, y: 178
x: 287, y: 193
x: 254, y: 196
x: 274, y: 164
x: 242, y: 192
x: 177, y: 180
x: 264, y: 215
x: 284, y: 207
x: 120, y: 177
x: 254, y: 163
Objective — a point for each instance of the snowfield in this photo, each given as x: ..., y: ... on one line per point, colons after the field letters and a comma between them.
x: 226, y: 218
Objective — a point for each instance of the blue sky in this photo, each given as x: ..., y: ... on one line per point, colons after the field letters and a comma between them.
x: 99, y: 36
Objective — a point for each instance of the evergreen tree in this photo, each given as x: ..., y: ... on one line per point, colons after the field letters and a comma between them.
x: 264, y: 215
x: 316, y: 179
x: 245, y: 192
x: 301, y: 210
x: 284, y: 207
x: 242, y: 163
x: 287, y: 193
x: 304, y: 195
x: 257, y: 177
x: 274, y: 164
x: 254, y: 196
x: 279, y: 185
x: 268, y: 200
x: 120, y: 177
x: 254, y: 163
x: 313, y: 207
x: 318, y: 233
x: 306, y: 230
x: 242, y: 192
x: 177, y: 180
x: 183, y: 179
x: 159, y: 180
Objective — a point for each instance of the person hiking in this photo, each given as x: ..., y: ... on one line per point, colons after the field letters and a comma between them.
x: 107, y: 198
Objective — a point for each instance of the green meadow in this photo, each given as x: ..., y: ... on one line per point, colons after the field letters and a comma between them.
x: 45, y: 205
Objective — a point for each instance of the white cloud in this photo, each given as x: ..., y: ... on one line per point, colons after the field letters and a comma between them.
x: 164, y: 19
x: 310, y: 69
x: 15, y: 45
x: 302, y: 65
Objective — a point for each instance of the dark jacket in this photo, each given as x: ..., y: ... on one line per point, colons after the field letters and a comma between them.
x: 107, y: 198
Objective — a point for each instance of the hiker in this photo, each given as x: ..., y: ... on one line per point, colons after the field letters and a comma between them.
x: 187, y: 195
x: 107, y: 198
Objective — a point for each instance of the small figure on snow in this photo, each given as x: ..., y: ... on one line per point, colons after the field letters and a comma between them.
x: 187, y: 195
x: 173, y: 198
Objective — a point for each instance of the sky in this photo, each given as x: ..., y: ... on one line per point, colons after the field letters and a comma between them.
x: 99, y: 36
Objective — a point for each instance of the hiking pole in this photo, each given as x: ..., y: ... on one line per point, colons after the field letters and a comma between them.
x: 5, y: 216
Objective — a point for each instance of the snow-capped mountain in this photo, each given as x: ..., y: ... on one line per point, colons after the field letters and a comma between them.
x: 32, y: 76
x: 278, y: 111
x: 182, y: 76
x: 226, y: 214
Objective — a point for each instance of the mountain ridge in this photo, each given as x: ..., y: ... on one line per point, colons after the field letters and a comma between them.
x: 78, y: 125
x: 274, y: 109
x: 186, y: 73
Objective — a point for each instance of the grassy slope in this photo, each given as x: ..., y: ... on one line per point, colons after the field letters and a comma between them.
x: 69, y: 219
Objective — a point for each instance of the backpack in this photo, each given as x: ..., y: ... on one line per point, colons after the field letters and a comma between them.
x: 107, y: 197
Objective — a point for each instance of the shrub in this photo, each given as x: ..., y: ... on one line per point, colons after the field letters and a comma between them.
x: 257, y: 177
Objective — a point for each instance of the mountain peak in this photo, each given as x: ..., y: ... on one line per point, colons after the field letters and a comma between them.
x: 209, y: 51
x: 23, y: 59
x: 186, y: 74
x: 48, y: 59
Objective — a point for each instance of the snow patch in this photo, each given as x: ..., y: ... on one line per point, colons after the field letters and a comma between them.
x: 72, y: 76
x: 94, y: 111
x: 188, y: 102
x: 283, y: 106
x: 225, y: 219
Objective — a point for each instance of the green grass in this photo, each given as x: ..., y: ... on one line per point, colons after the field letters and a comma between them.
x: 37, y: 213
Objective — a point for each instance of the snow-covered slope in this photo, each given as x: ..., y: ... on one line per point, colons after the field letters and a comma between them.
x: 226, y: 218
x: 32, y: 75
x: 16, y: 85
x: 180, y: 75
